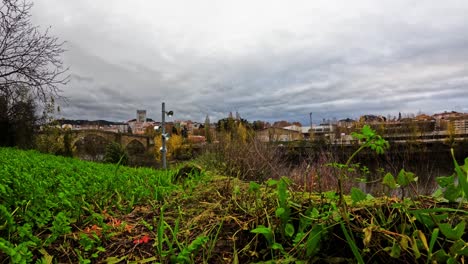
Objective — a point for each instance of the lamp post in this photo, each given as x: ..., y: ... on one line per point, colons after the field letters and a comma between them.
x: 310, y: 119
x: 164, y: 136
x: 310, y: 130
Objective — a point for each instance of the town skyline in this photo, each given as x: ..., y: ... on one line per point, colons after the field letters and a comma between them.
x: 305, y: 122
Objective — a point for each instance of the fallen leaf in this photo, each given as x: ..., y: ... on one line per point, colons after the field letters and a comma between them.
x: 144, y: 239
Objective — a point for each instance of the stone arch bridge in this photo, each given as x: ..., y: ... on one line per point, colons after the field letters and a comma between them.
x: 132, y: 143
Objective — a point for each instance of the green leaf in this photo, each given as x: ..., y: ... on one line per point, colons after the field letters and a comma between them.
x: 330, y: 195
x: 428, y: 218
x: 401, y: 179
x: 280, y: 211
x: 253, y: 186
x: 460, y: 247
x: 46, y: 259
x: 272, y: 182
x: 277, y: 246
x: 453, y: 233
x: 261, y: 229
x: 357, y: 135
x: 438, y: 193
x: 298, y: 238
x: 367, y: 131
x: 396, y: 250
x: 313, y: 241
x: 440, y: 256
x: 289, y: 230
x: 452, y: 193
x: 389, y: 180
x: 314, y: 213
x: 265, y: 231
x: 357, y: 195
x: 404, y: 242
x: 414, y: 246
x: 282, y: 190
x: 462, y: 175
x: 445, y: 181
x: 434, y: 235
x: 452, y: 260
x: 404, y: 178
x: 352, y: 244
x: 142, y: 261
x: 114, y: 260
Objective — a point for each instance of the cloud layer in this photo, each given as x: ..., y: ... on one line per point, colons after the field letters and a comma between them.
x: 269, y: 60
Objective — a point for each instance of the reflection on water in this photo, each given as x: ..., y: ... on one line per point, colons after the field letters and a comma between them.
x: 427, y: 162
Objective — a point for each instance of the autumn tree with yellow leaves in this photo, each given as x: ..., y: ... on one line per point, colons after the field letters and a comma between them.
x: 174, y: 145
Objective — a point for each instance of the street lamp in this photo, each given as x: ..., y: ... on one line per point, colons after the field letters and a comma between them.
x: 164, y: 135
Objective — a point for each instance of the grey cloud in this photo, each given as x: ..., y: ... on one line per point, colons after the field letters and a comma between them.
x: 379, y: 58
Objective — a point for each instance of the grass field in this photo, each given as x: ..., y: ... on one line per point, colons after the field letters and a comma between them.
x: 62, y: 210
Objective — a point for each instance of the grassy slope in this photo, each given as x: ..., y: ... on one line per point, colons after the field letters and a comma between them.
x: 44, y: 198
x: 71, y: 210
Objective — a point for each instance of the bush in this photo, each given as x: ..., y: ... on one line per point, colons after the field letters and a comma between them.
x: 247, y: 159
x: 115, y: 153
x: 54, y: 140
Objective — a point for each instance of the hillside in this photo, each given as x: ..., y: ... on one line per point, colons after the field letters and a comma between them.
x: 63, y: 210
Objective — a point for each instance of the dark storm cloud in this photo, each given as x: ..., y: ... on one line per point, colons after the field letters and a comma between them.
x: 264, y: 59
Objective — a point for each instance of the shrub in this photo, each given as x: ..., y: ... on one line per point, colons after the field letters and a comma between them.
x: 245, y: 158
x: 115, y: 153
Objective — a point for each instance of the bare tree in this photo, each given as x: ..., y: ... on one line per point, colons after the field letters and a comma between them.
x: 31, y: 70
x: 28, y: 57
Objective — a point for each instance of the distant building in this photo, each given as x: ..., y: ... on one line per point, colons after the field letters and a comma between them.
x: 424, y: 117
x: 449, y: 115
x: 324, y: 131
x: 457, y: 119
x: 461, y: 126
x: 294, y: 127
x: 110, y: 126
x: 196, y: 139
x: 141, y: 116
x: 141, y: 123
x: 275, y: 134
x: 348, y: 123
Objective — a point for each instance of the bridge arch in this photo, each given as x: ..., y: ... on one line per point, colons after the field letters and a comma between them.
x: 137, y: 144
x: 91, y: 146
x: 135, y: 147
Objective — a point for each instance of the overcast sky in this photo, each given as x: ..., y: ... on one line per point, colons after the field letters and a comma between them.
x: 268, y: 60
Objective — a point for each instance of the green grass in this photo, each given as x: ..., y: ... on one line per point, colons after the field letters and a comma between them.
x: 43, y: 197
x: 62, y: 210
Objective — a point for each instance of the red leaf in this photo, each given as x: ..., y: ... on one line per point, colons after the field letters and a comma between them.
x: 143, y: 239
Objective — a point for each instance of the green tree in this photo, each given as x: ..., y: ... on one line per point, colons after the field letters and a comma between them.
x: 51, y: 140
x: 259, y: 125
x: 17, y: 119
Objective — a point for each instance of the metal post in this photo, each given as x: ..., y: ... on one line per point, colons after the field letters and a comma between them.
x: 163, y: 124
x: 310, y: 130
x: 310, y: 117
